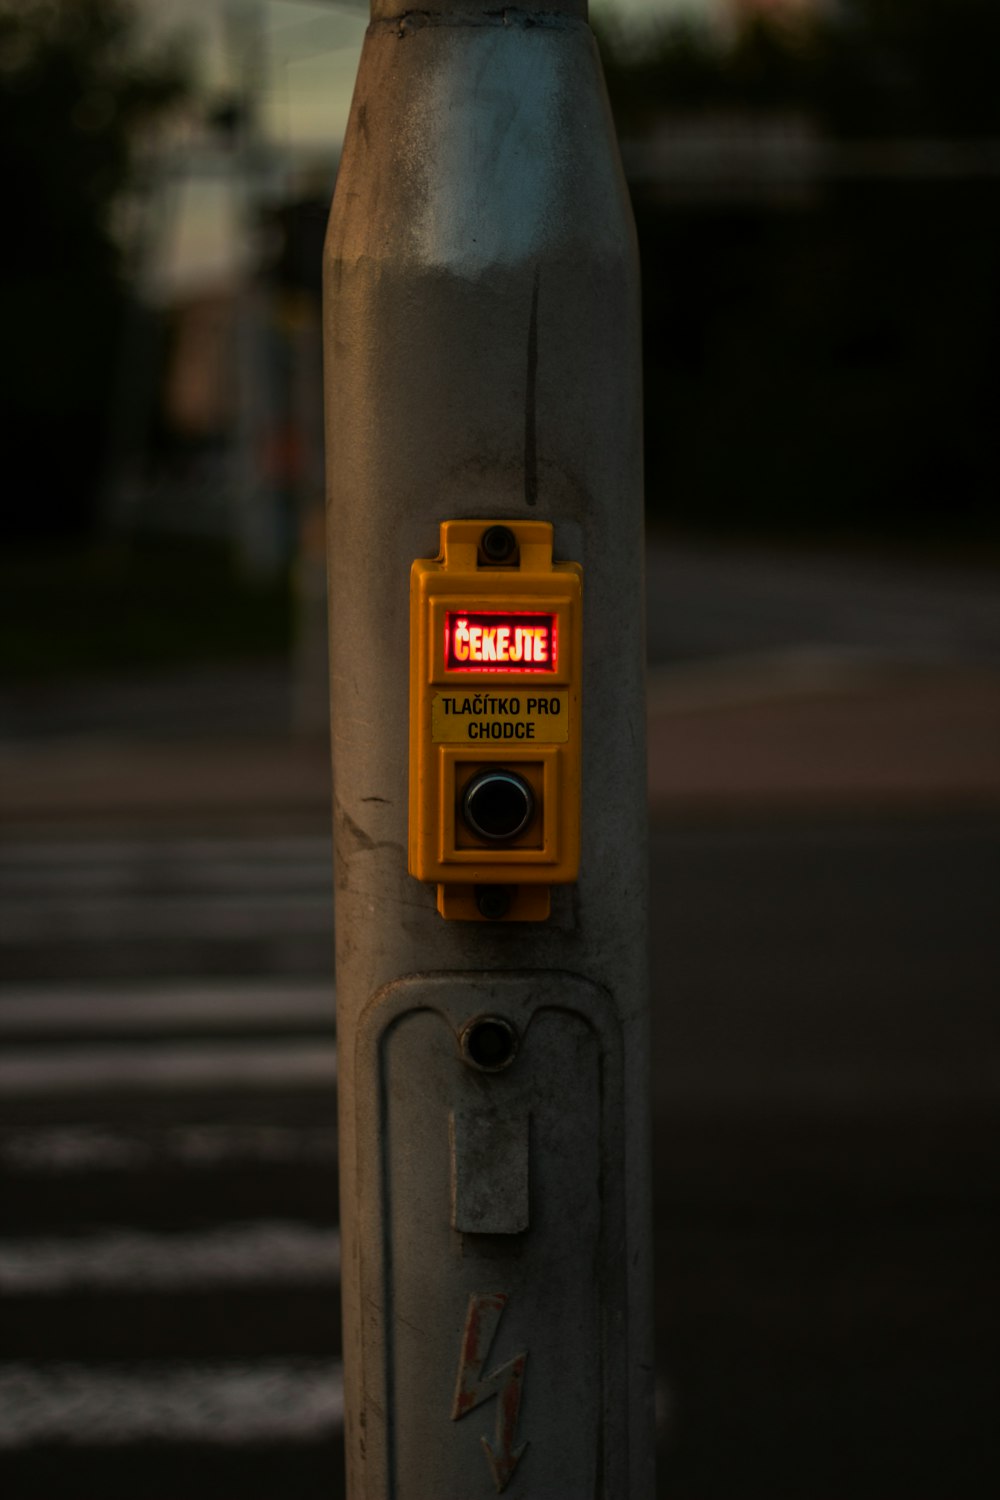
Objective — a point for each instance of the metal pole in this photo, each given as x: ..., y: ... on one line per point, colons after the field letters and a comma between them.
x: 482, y: 366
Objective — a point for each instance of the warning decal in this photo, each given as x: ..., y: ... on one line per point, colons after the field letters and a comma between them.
x: 492, y: 718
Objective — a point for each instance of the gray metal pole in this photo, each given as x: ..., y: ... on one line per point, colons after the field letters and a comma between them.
x: 482, y: 364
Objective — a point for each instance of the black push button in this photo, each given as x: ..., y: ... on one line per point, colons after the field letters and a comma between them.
x: 498, y: 805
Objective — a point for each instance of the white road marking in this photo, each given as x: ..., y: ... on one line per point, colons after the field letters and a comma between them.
x: 90, y: 853
x: 131, y: 1260
x: 154, y: 1006
x: 287, y: 1401
x: 86, y: 1070
x: 155, y: 869
x: 62, y: 1149
x: 149, y: 877
x: 140, y: 916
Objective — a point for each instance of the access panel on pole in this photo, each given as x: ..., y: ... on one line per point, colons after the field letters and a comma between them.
x: 485, y: 577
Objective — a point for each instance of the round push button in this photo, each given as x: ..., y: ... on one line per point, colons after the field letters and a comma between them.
x: 498, y: 805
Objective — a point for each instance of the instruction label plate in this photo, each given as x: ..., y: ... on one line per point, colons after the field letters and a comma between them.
x: 499, y: 716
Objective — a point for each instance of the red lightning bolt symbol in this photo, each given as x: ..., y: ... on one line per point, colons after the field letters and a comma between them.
x: 472, y: 1387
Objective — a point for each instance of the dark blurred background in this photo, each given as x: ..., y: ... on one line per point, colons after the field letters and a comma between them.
x: 816, y: 190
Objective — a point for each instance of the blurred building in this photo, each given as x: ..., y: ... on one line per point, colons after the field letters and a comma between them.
x: 216, y: 421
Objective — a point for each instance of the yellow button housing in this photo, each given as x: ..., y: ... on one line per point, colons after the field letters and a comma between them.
x: 495, y: 665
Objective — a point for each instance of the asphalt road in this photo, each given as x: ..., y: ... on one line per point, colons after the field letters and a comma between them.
x: 758, y: 611
x: 706, y: 603
x: 826, y: 1056
x: 827, y: 1077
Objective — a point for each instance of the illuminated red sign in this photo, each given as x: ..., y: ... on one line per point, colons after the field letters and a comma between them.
x: 499, y: 642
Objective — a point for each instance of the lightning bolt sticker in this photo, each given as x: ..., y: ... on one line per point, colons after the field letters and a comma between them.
x: 472, y: 1387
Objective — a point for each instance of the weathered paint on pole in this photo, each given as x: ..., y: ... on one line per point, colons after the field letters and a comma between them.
x: 482, y: 361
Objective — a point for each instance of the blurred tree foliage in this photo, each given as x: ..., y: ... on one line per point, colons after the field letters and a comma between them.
x: 823, y: 361
x: 858, y: 67
x: 76, y: 85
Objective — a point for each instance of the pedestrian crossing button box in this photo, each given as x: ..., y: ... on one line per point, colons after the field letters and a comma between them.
x: 495, y: 732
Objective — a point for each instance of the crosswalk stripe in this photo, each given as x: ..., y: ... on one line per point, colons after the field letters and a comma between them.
x: 99, y: 919
x: 46, y: 1151
x: 129, y: 1260
x: 67, y: 1046
x: 17, y: 855
x: 153, y: 1006
x: 145, y: 878
x: 227, y: 1404
x: 208, y: 1065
